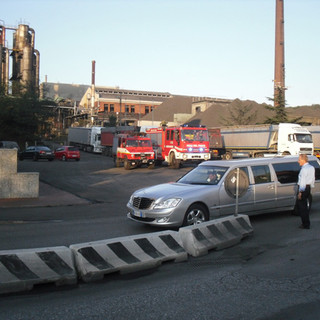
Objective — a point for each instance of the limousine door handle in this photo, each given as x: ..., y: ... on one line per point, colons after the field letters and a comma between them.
x: 271, y: 187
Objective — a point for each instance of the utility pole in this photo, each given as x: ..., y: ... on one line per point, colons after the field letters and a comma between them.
x: 279, y: 70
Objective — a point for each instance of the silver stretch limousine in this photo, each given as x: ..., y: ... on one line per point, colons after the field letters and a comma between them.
x: 217, y: 188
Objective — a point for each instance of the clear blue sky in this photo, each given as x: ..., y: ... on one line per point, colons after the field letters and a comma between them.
x: 217, y: 48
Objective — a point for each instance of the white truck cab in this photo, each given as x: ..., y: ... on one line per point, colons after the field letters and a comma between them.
x: 293, y: 139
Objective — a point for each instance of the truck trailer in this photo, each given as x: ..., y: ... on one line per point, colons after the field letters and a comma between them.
x: 108, y: 134
x: 315, y: 131
x: 86, y: 139
x: 215, y: 144
x: 264, y: 140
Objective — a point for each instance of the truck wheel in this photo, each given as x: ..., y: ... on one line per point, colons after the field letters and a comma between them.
x: 196, y: 213
x: 258, y: 155
x: 228, y: 155
x: 127, y: 164
x: 158, y: 163
x: 151, y: 166
x: 286, y: 153
x: 175, y: 163
x: 117, y: 162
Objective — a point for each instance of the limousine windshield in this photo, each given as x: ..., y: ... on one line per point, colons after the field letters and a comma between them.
x: 204, y: 175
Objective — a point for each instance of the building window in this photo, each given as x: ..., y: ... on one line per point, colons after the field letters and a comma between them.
x: 198, y: 109
x: 132, y: 109
x: 105, y: 107
x: 147, y: 110
x: 127, y: 108
x: 111, y: 107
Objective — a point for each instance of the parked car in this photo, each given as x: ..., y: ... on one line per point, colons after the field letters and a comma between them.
x: 9, y: 145
x: 251, y: 186
x: 36, y: 153
x: 67, y: 152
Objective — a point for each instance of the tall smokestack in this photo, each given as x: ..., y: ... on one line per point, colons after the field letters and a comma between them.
x: 93, y: 80
x: 279, y: 70
x: 93, y: 77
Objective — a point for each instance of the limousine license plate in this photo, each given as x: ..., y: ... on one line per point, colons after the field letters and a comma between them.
x: 138, y: 213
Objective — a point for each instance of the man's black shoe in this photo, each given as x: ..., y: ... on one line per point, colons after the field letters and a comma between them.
x: 303, y: 227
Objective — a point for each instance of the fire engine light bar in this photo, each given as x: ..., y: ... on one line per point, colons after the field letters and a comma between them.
x: 190, y: 149
x: 201, y: 149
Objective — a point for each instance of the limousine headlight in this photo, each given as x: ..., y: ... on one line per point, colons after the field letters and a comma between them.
x: 168, y: 203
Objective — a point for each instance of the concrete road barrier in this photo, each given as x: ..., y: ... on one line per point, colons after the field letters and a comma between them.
x: 15, y: 185
x: 127, y: 254
x: 21, y: 269
x: 215, y: 234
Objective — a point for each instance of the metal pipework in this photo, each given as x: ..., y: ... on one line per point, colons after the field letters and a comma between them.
x: 26, y: 60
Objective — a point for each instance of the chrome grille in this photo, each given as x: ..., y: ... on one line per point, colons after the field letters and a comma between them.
x: 142, y: 203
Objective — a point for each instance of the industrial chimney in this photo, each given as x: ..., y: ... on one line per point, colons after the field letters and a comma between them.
x: 93, y: 80
x: 279, y: 70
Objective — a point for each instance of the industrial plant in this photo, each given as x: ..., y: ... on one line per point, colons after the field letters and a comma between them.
x: 25, y: 63
x: 80, y: 104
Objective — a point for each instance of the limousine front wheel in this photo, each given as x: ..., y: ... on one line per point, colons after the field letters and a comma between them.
x: 196, y: 213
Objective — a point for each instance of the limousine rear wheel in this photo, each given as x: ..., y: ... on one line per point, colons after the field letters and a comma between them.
x: 196, y: 213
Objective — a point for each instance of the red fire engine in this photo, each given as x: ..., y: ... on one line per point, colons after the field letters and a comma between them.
x: 132, y: 151
x: 180, y: 144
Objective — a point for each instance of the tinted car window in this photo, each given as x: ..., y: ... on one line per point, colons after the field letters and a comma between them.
x: 317, y: 169
x: 73, y: 149
x: 287, y: 172
x: 44, y: 148
x: 261, y: 174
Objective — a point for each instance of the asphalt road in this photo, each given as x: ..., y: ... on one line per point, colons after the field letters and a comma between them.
x: 272, y: 275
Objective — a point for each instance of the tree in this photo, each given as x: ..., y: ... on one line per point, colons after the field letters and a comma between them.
x: 240, y: 114
x: 24, y: 117
x: 112, y: 120
x: 279, y: 108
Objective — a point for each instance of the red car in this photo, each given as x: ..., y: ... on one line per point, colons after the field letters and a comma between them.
x: 67, y: 152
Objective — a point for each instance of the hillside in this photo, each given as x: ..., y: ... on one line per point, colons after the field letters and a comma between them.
x: 221, y: 115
